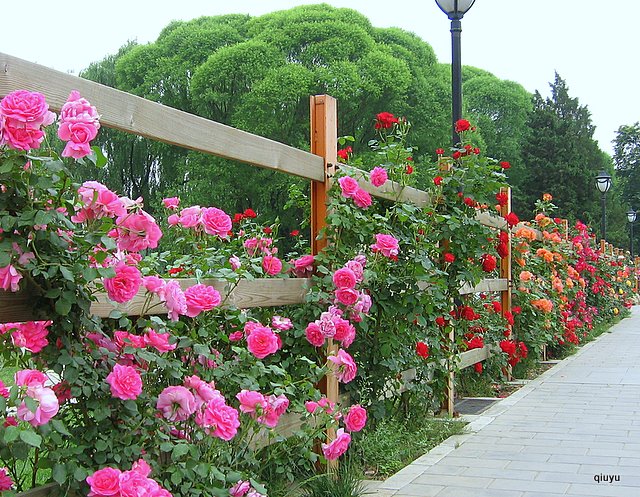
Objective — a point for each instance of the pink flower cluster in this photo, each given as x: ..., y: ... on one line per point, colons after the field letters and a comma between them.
x: 387, y: 245
x: 195, y: 396
x: 344, y: 367
x: 211, y: 220
x: 345, y: 280
x: 265, y: 409
x: 111, y: 482
x: 78, y: 126
x: 9, y: 278
x: 31, y: 335
x: 5, y: 480
x: 378, y: 176
x: 190, y: 302
x: 261, y: 340
x: 23, y: 114
x: 243, y: 488
x: 330, y: 325
x: 350, y: 189
x: 32, y: 382
x: 303, y: 266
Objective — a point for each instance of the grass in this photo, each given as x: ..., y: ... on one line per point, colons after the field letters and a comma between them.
x: 394, y: 443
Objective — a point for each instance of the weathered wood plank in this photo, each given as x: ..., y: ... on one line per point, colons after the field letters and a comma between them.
x: 267, y: 292
x: 488, y: 219
x: 49, y: 490
x: 390, y: 190
x: 487, y: 285
x: 470, y: 357
x: 142, y: 117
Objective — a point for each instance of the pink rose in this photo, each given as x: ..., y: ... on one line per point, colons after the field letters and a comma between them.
x: 314, y: 335
x: 28, y: 108
x: 349, y: 186
x: 344, y: 368
x: 104, y: 482
x: 262, y: 341
x: 173, y: 220
x: 235, y: 262
x: 153, y: 284
x: 201, y: 298
x: 357, y: 268
x: 134, y: 484
x: 31, y: 335
x: 137, y: 231
x: 78, y: 136
x: 98, y: 201
x: 4, y: 391
x: 47, y: 406
x: 30, y: 378
x: 280, y: 323
x: 347, y: 296
x: 159, y: 341
x: 236, y: 336
x: 175, y: 300
x: 386, y: 244
x: 9, y: 278
x: 240, y: 489
x: 141, y: 467
x: 125, y: 382
x: 378, y: 176
x: 362, y: 198
x: 344, y: 278
x: 6, y: 483
x: 215, y: 222
x: 77, y: 109
x: 176, y: 403
x: 19, y: 136
x: 190, y: 217
x: 171, y: 203
x: 303, y: 267
x: 276, y: 407
x: 251, y: 401
x: 271, y: 265
x: 124, y: 285
x: 345, y: 332
x: 338, y: 446
x: 356, y: 418
x: 223, y: 419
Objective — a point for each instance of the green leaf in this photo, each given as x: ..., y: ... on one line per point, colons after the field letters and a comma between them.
x: 63, y: 307
x: 60, y: 427
x: 31, y: 438
x: 59, y: 473
x: 66, y: 274
x: 179, y: 451
x: 97, y: 157
x: 11, y: 433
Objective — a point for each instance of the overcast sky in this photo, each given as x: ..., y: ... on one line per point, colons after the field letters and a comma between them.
x: 591, y: 44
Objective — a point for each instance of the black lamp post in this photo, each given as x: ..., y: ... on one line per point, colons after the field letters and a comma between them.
x: 455, y: 10
x: 631, y: 217
x: 603, y: 184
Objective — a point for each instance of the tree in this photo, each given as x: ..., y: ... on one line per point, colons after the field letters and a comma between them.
x: 560, y: 157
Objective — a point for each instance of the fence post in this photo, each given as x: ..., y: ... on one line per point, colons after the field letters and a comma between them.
x: 324, y: 142
x: 505, y: 267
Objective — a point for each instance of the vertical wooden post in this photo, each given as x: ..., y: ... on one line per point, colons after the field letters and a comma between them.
x: 324, y: 142
x: 505, y: 269
x: 565, y: 222
x: 602, y: 246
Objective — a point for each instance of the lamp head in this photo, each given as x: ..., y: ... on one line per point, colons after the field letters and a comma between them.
x: 631, y: 215
x: 603, y: 182
x: 455, y: 9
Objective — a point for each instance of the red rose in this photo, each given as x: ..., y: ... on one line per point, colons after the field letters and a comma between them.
x: 478, y: 367
x: 343, y: 153
x: 422, y: 349
x: 295, y: 232
x: 512, y: 219
x: 456, y: 155
x: 449, y: 257
x: 437, y: 180
x: 237, y: 218
x: 477, y: 152
x: 440, y: 321
x: 469, y: 201
x: 505, y: 165
x: 250, y: 213
x: 267, y: 230
x: 489, y: 263
x: 385, y: 120
x: 409, y: 169
x: 462, y: 125
x: 439, y: 151
x: 502, y: 198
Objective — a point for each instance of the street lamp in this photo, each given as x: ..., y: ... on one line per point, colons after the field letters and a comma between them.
x: 603, y: 183
x: 455, y: 10
x: 631, y: 217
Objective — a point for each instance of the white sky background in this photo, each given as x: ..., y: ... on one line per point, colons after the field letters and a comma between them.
x: 591, y: 44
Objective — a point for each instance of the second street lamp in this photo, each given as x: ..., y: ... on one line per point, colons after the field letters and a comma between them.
x: 455, y: 10
x: 631, y: 217
x: 603, y: 184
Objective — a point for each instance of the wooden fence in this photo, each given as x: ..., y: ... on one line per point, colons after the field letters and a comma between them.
x: 132, y: 114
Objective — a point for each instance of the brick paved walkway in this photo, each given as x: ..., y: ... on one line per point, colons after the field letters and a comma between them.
x: 577, y: 421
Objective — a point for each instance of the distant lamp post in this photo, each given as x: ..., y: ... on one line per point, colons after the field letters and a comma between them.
x: 631, y: 217
x: 455, y: 10
x: 603, y: 184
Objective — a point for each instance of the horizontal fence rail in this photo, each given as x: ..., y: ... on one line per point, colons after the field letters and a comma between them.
x: 133, y: 114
